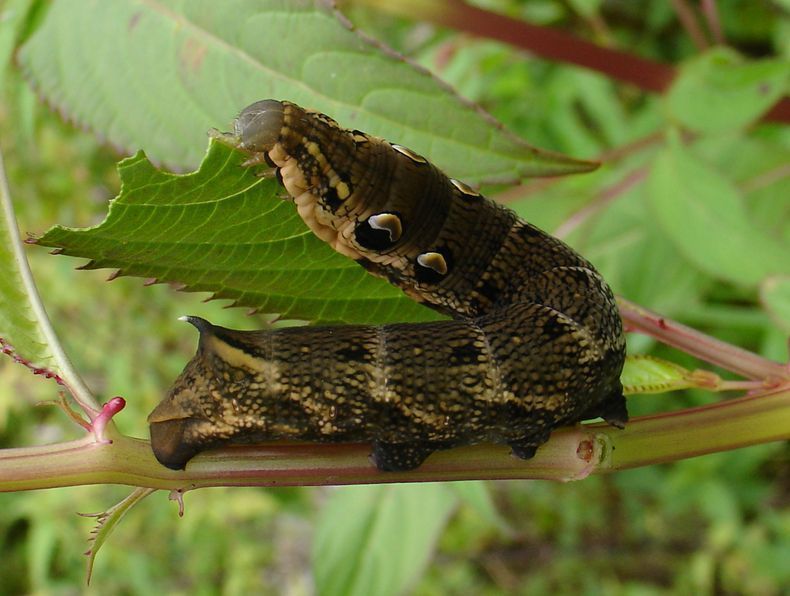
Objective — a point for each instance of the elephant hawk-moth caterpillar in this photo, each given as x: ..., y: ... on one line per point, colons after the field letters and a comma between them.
x: 535, y: 341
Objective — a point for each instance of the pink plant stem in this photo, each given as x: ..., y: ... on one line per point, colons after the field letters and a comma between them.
x: 557, y: 45
x: 601, y: 200
x: 689, y: 21
x: 711, y: 13
x: 702, y: 346
x: 551, y: 44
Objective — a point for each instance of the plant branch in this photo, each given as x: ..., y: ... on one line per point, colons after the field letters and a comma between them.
x: 571, y: 454
x: 722, y: 426
x: 600, y: 201
x: 711, y: 12
x: 549, y: 43
x: 703, y: 346
x: 688, y: 19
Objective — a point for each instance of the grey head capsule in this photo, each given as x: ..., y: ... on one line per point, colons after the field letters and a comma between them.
x: 259, y: 125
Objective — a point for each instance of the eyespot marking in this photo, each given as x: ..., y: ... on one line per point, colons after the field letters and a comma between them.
x: 379, y: 231
x: 415, y: 157
x: 389, y: 222
x: 431, y: 267
x: 465, y: 188
x: 433, y: 260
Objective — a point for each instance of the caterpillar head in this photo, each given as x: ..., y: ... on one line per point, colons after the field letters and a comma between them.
x: 258, y: 125
x: 187, y: 420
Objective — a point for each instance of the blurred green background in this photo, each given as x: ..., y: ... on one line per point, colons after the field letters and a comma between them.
x: 711, y: 525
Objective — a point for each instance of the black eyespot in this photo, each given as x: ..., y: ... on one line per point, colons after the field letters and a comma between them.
x: 432, y: 267
x: 379, y: 232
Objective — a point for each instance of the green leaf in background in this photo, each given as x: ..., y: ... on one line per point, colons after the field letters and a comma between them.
x: 224, y: 230
x: 704, y: 216
x: 378, y: 539
x: 775, y: 296
x: 718, y: 91
x: 647, y: 374
x: 19, y: 322
x: 172, y: 69
x: 477, y: 496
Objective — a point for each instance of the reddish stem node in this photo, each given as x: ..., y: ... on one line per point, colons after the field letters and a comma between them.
x: 108, y: 410
x: 177, y: 495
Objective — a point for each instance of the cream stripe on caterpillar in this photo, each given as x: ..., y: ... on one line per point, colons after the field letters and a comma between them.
x: 535, y: 342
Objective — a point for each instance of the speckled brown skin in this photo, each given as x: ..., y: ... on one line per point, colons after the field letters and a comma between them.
x: 536, y: 341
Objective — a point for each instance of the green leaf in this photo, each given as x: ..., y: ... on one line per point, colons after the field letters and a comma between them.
x: 158, y: 75
x: 704, y: 216
x: 378, y: 539
x: 775, y: 296
x: 477, y: 495
x: 718, y: 91
x: 647, y: 374
x: 106, y: 521
x: 223, y: 229
x: 20, y: 328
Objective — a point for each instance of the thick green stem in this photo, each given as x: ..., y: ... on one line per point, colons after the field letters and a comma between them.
x: 571, y: 454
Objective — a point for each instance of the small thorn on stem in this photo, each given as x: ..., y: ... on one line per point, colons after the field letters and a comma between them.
x: 177, y: 495
x: 108, y: 410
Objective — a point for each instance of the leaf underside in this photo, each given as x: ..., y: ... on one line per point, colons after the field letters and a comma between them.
x: 20, y: 330
x: 225, y: 230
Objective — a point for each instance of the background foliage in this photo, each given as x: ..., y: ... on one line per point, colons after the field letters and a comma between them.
x: 688, y: 216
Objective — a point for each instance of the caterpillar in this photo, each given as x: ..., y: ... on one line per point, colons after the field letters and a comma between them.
x: 535, y: 341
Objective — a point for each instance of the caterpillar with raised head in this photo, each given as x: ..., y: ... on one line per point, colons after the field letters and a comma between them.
x: 535, y: 341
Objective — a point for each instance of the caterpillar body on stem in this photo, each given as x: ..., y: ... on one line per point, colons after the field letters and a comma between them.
x: 535, y: 341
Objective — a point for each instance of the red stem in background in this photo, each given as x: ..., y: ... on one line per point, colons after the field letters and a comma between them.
x: 599, y: 201
x: 702, y: 346
x: 557, y: 45
x: 711, y: 12
x: 549, y: 43
x: 688, y: 19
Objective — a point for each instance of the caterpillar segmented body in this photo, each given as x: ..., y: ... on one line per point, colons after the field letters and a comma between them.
x: 536, y: 341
